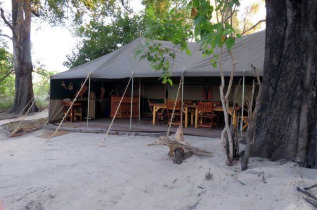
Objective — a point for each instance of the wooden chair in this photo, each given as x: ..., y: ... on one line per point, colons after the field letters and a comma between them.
x: 205, y: 115
x: 245, y: 117
x: 216, y: 103
x: 177, y: 112
x: 245, y: 121
x: 74, y: 113
x: 78, y: 114
x: 159, y: 115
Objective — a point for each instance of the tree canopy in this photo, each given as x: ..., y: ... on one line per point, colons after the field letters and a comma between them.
x: 100, y: 38
x: 19, y: 21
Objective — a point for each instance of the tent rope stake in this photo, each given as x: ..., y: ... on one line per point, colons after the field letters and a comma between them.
x: 114, y: 117
x: 70, y: 107
x: 175, y: 102
x: 33, y: 101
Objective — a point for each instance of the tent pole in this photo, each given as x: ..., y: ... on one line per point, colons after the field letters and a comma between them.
x: 88, y: 101
x: 49, y: 105
x: 243, y: 84
x: 131, y: 101
x: 182, y: 104
x: 139, y: 99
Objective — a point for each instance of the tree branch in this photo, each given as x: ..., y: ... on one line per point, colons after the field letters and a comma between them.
x: 7, y: 36
x: 231, y: 15
x: 125, y: 7
x: 8, y: 74
x: 35, y: 13
x: 5, y: 20
x: 261, y: 21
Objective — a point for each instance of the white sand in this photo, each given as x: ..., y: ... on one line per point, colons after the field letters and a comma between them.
x: 73, y: 172
x: 37, y: 115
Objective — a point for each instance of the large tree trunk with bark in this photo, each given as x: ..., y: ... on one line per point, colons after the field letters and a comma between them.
x: 286, y: 125
x: 21, y: 28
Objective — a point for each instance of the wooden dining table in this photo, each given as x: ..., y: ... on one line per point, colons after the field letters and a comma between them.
x: 158, y: 106
x: 194, y: 109
x: 232, y: 111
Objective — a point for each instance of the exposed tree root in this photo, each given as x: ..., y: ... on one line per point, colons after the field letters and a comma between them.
x: 311, y: 198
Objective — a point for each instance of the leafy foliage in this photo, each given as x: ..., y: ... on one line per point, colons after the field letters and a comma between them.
x: 60, y: 11
x: 175, y: 21
x: 41, y: 84
x: 168, y: 21
x: 212, y: 34
x: 246, y: 17
x: 100, y: 38
x: 6, y: 78
x: 7, y: 81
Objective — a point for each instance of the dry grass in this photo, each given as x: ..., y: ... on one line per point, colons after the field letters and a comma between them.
x: 25, y: 127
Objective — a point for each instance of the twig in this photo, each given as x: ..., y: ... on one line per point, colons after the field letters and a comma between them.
x: 238, y: 181
x: 125, y: 7
x: 5, y: 76
x: 7, y: 36
x: 263, y: 177
x: 35, y: 13
x: 5, y: 20
x: 261, y: 21
x: 301, y: 175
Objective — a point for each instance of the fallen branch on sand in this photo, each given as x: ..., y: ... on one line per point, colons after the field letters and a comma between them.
x: 174, y: 144
x: 179, y: 148
x: 311, y: 198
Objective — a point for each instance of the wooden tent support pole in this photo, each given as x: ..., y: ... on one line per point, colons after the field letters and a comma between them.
x: 88, y: 102
x: 70, y: 107
x: 182, y: 102
x: 139, y: 99
x: 115, y: 114
x: 171, y: 120
x: 131, y: 108
x: 243, y: 89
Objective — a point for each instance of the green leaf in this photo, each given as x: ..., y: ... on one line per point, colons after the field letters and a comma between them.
x: 239, y: 36
x: 229, y: 42
x: 188, y: 52
x: 170, y: 81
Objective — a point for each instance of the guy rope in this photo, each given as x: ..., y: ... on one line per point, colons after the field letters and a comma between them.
x: 118, y: 107
x: 175, y: 102
x: 33, y: 101
x: 70, y: 107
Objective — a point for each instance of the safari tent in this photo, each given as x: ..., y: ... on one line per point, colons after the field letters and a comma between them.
x: 109, y: 75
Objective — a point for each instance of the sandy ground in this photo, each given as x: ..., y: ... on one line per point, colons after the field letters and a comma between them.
x: 38, y: 115
x: 73, y: 172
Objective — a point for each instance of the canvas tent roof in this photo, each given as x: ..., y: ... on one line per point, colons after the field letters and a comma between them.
x: 122, y: 62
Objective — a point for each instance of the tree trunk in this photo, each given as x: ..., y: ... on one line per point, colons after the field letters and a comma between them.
x: 21, y: 28
x: 287, y: 115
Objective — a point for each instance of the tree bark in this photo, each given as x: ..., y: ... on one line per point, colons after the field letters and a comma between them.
x: 21, y: 28
x: 287, y: 115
